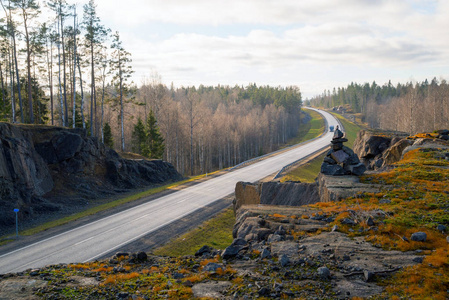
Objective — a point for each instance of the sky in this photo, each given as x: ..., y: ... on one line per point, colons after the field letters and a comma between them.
x: 315, y: 45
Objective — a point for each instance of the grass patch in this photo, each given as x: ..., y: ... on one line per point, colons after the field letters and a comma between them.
x: 310, y: 130
x: 307, y: 172
x: 351, y: 129
x: 216, y: 233
x: 103, y: 207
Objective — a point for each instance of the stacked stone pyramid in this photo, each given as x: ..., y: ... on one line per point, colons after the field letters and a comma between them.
x: 341, y: 160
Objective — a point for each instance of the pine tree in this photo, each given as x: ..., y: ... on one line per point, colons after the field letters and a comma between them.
x: 108, y: 139
x: 154, y: 146
x: 138, y: 137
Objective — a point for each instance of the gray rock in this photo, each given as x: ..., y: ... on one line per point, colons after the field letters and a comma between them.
x: 203, y: 250
x: 141, y: 256
x: 370, y: 222
x: 239, y: 242
x: 353, y: 159
x: 441, y: 228
x: 263, y: 233
x: 329, y: 160
x: 339, y: 156
x: 333, y: 170
x: 265, y: 254
x: 231, y: 251
x: 447, y: 239
x: 368, y: 275
x: 324, y: 272
x: 335, y: 228
x: 212, y: 267
x: 384, y: 201
x: 272, y: 238
x: 284, y: 260
x: 357, y: 169
x: 418, y: 259
x: 419, y: 236
x: 347, y: 221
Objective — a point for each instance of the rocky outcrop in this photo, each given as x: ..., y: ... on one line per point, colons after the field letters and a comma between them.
x: 380, y: 149
x: 45, y: 168
x: 275, y: 193
x: 336, y: 188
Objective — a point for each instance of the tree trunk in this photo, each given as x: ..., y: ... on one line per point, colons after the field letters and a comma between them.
x: 122, y: 118
x: 13, y: 97
x: 92, y: 91
x: 64, y: 75
x: 50, y: 80
x: 82, y: 94
x: 3, y: 92
x: 59, y: 81
x: 74, y: 69
x: 18, y: 78
x: 27, y: 40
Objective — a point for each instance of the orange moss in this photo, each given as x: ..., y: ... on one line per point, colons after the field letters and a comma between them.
x: 210, y: 260
x: 439, y: 258
x: 80, y: 266
x: 113, y: 279
x: 195, y: 278
x: 237, y: 280
x: 103, y: 269
x: 278, y: 216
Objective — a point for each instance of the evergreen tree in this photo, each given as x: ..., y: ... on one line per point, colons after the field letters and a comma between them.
x: 154, y: 146
x: 138, y: 137
x: 108, y: 139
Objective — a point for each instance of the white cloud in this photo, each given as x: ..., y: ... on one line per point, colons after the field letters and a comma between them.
x: 283, y: 41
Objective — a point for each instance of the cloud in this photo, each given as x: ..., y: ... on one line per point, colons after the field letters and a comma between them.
x: 283, y: 42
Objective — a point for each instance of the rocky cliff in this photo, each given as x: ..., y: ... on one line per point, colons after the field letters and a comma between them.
x: 46, y: 168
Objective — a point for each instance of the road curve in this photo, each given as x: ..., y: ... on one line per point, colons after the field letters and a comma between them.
x: 95, y: 239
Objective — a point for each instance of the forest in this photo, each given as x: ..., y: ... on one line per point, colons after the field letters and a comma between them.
x: 70, y: 70
x: 412, y: 107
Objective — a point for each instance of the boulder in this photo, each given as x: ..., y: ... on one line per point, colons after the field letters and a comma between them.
x: 419, y: 236
x: 369, y: 144
x: 246, y: 193
x: 394, y: 153
x: 333, y: 170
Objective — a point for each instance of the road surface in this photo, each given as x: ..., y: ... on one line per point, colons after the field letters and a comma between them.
x: 100, y: 237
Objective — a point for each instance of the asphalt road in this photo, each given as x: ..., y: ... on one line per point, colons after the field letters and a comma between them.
x: 100, y: 237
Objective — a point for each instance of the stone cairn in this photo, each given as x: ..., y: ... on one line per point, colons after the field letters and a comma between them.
x: 341, y: 160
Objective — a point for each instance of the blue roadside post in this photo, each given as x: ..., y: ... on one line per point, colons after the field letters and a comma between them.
x: 16, y: 210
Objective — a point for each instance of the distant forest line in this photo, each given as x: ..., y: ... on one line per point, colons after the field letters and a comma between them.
x: 410, y: 107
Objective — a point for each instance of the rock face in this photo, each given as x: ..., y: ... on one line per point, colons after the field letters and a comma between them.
x: 341, y: 160
x: 336, y: 188
x: 44, y: 168
x: 275, y: 193
x: 379, y: 149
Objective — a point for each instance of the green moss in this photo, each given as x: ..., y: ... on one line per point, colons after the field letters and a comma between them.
x: 310, y: 130
x: 216, y: 232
